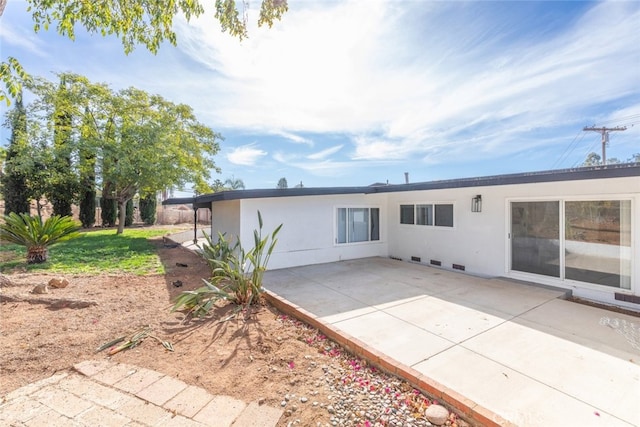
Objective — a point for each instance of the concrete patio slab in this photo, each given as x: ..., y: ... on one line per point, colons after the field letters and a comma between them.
x: 403, y: 341
x: 446, y: 319
x: 519, y: 352
x: 547, y: 358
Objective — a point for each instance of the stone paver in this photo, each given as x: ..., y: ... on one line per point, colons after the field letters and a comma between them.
x: 189, y: 401
x: 221, y: 411
x: 105, y: 393
x: 162, y: 390
x: 256, y: 415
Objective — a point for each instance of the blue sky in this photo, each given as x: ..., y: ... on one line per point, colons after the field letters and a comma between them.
x: 343, y: 93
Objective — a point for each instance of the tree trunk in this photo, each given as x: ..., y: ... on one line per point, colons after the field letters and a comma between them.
x: 122, y: 213
x: 36, y: 254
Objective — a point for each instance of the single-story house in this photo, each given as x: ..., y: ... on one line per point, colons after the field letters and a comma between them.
x: 577, y: 229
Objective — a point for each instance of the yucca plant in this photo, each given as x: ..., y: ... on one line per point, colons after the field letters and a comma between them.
x: 237, y: 276
x: 37, y: 236
x: 219, y: 251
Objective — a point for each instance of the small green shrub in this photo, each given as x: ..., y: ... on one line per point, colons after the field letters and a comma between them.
x: 237, y: 274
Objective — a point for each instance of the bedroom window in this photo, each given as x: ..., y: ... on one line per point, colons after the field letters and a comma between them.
x: 435, y: 214
x: 357, y: 225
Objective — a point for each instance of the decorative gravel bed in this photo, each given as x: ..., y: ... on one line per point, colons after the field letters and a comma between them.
x: 353, y: 393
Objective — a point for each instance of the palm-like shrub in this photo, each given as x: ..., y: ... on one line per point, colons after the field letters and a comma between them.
x: 237, y: 274
x: 36, y: 235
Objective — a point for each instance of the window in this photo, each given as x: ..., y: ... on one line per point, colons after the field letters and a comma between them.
x: 438, y: 214
x: 424, y: 214
x: 406, y: 214
x: 444, y: 215
x: 357, y: 225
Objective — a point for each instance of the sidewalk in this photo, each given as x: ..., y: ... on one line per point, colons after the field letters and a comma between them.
x: 105, y: 393
x: 500, y: 351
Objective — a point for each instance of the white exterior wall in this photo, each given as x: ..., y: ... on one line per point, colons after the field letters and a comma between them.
x: 308, y: 232
x: 225, y: 218
x: 479, y: 241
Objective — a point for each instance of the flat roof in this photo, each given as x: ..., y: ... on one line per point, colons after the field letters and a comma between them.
x: 573, y: 174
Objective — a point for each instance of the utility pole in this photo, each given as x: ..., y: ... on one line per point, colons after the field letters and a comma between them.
x: 605, y: 137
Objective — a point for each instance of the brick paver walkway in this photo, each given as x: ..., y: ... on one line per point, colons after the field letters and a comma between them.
x: 114, y: 394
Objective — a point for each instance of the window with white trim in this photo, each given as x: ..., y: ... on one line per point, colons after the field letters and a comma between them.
x: 431, y: 214
x: 357, y: 225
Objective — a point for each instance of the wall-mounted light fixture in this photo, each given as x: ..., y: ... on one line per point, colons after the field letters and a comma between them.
x: 476, y: 203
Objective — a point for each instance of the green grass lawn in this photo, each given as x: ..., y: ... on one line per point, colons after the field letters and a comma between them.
x: 94, y: 252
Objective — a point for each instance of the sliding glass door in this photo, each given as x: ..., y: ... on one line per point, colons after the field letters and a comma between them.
x: 535, y: 237
x: 586, y: 241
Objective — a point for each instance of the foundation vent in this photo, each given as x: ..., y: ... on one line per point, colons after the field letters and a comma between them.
x: 416, y: 259
x: 627, y: 298
x: 435, y: 262
x: 458, y: 267
x: 396, y: 258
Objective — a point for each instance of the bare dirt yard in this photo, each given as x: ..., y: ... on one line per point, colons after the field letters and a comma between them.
x: 263, y: 355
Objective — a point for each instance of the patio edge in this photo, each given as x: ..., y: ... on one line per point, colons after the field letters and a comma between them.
x: 467, y: 409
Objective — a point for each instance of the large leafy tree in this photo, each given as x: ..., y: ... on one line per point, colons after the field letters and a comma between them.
x: 156, y: 144
x: 149, y: 23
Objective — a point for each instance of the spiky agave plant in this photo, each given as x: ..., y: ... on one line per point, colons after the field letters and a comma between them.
x: 37, y: 236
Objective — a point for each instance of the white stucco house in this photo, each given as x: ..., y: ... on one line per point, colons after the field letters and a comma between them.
x: 577, y: 229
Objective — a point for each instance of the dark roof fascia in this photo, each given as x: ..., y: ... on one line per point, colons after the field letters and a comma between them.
x: 206, y: 199
x: 179, y: 201
x: 575, y: 174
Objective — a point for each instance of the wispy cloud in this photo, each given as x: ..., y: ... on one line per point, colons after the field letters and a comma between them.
x: 385, y: 77
x: 246, y: 155
x: 297, y: 139
x: 325, y: 153
x: 22, y: 38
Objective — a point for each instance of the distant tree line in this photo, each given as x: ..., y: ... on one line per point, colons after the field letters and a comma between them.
x: 594, y: 159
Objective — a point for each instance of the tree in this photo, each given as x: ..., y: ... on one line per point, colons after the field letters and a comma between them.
x: 593, y: 159
x: 108, y: 209
x: 156, y: 144
x: 635, y: 158
x: 148, y: 209
x: 62, y: 192
x: 14, y: 177
x: 149, y: 23
x: 234, y: 183
x: 282, y: 183
x: 87, y: 174
x: 13, y: 76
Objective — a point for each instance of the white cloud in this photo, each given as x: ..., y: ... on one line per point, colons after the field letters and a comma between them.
x: 325, y: 153
x: 246, y: 155
x: 297, y: 139
x: 20, y: 37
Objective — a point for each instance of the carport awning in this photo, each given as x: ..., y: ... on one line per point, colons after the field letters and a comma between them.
x: 187, y: 201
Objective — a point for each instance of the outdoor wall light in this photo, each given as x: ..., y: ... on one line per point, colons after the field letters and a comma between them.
x: 476, y: 204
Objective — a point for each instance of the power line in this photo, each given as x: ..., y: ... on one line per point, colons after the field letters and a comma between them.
x: 567, y: 151
x: 604, y: 131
